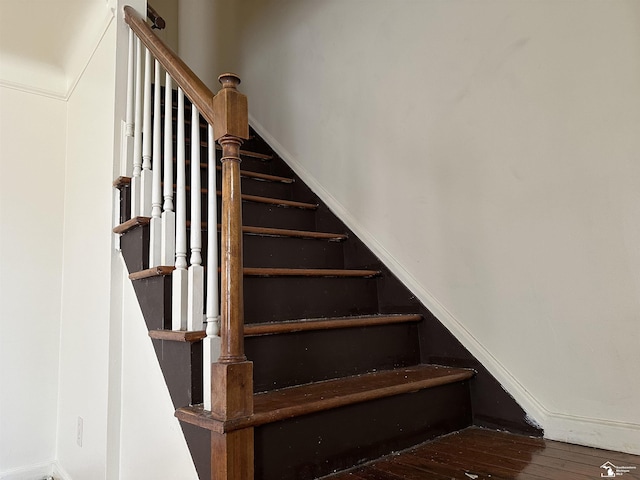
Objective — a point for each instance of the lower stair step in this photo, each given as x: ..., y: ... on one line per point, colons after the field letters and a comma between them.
x: 308, y: 431
x: 305, y: 399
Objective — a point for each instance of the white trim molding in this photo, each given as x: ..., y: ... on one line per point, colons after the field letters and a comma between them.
x: 624, y: 437
x: 36, y: 472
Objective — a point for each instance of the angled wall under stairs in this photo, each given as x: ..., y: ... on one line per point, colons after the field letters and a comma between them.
x: 344, y: 355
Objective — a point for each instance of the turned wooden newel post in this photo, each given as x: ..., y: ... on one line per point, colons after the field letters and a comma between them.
x: 232, y: 374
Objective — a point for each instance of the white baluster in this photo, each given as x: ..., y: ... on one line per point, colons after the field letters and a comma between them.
x: 211, y: 344
x: 179, y: 275
x: 126, y: 161
x: 136, y: 208
x: 168, y: 215
x: 155, y: 230
x: 146, y: 175
x: 195, y: 307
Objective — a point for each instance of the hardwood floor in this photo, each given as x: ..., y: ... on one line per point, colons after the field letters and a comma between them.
x: 479, y: 454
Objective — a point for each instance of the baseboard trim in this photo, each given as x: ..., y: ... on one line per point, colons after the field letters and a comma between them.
x: 36, y: 472
x: 594, y: 432
x: 557, y: 426
x: 60, y: 473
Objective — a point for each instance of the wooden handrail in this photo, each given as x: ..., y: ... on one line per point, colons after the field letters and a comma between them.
x: 157, y: 22
x: 193, y: 87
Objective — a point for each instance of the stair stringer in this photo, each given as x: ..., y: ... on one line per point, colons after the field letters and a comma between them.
x: 499, y: 400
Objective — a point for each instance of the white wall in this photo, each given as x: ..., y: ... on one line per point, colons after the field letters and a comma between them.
x: 87, y: 258
x: 206, y: 37
x: 488, y: 151
x: 32, y: 152
x: 72, y: 338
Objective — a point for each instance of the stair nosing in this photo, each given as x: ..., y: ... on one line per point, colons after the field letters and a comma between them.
x: 280, y: 202
x: 254, y: 175
x: 286, y: 232
x: 122, y: 181
x: 262, y: 176
x: 243, y: 153
x: 329, y: 323
x: 159, y: 271
x: 186, y: 336
x: 131, y: 224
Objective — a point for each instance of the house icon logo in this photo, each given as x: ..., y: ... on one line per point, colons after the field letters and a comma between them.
x: 610, y: 470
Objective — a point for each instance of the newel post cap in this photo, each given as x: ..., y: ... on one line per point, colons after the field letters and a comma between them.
x: 230, y: 109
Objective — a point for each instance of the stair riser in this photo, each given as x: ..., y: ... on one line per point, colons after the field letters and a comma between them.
x: 199, y: 443
x: 283, y: 252
x: 262, y: 215
x: 286, y: 298
x: 154, y: 297
x: 135, y: 248
x: 263, y: 251
x: 124, y: 205
x: 290, y: 359
x: 264, y: 188
x: 248, y: 185
x: 265, y: 215
x: 181, y: 364
x: 314, y: 445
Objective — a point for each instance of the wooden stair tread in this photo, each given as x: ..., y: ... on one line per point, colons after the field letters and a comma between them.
x: 268, y: 200
x: 178, y: 335
x: 307, y: 324
x: 279, y: 202
x: 261, y: 176
x: 122, y: 181
x: 131, y: 224
x: 285, y: 232
x: 251, y: 174
x: 307, y: 272
x: 248, y: 153
x: 243, y: 153
x: 266, y: 272
x: 301, y: 400
x: 159, y: 271
x: 289, y: 326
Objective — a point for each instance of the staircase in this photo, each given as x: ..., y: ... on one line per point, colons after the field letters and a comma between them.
x: 345, y: 365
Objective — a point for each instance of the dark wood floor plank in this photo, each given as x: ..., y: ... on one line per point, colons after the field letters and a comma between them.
x: 447, y: 469
x: 498, y: 456
x: 467, y: 463
x: 407, y: 472
x: 537, y: 454
x: 518, y: 461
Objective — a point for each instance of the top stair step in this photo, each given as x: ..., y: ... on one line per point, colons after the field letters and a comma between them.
x: 301, y: 400
x: 249, y: 174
